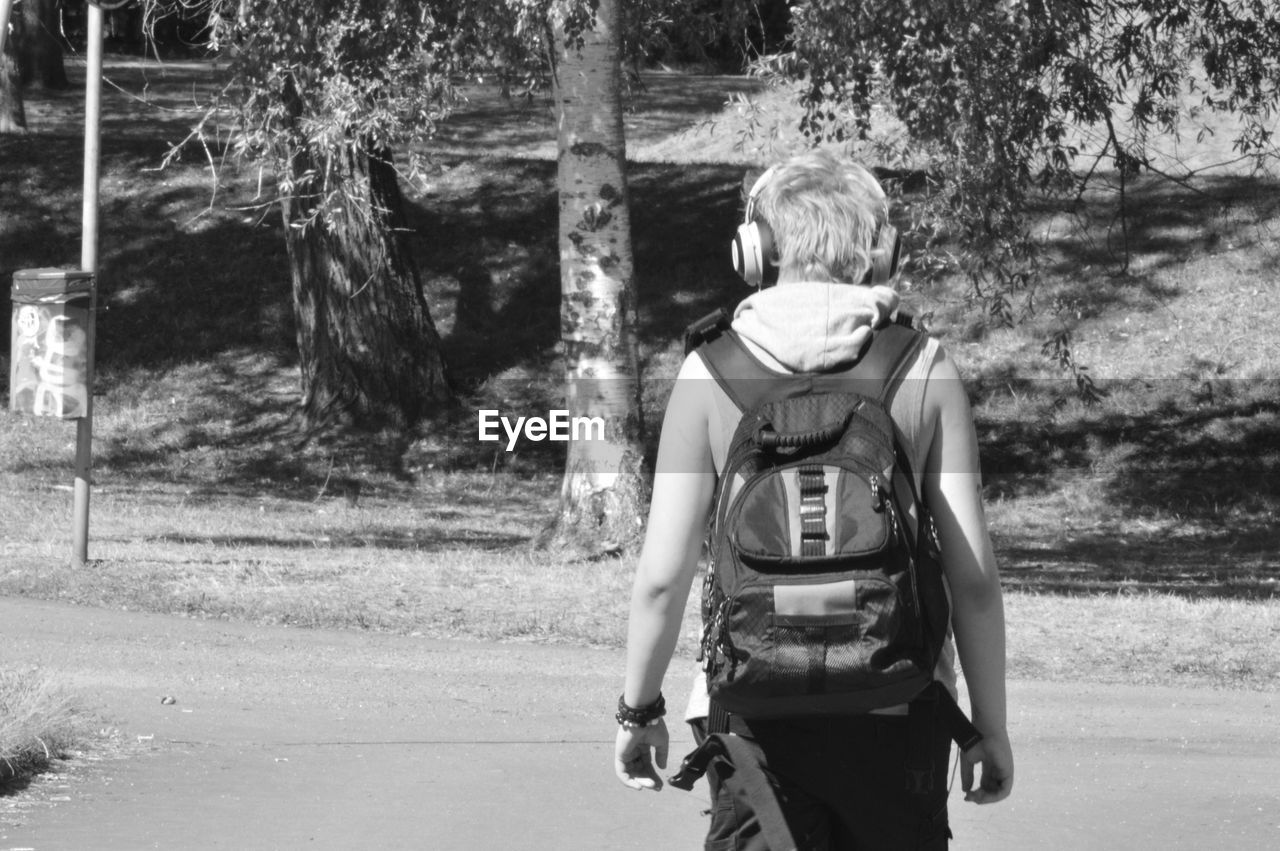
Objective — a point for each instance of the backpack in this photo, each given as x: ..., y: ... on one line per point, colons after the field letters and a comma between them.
x: 819, y: 597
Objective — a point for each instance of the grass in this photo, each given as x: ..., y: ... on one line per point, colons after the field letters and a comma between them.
x: 1137, y: 537
x: 39, y: 724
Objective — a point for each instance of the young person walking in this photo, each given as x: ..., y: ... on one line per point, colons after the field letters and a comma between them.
x: 833, y: 780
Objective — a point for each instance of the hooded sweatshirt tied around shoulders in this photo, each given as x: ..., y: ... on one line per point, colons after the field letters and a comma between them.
x: 813, y: 327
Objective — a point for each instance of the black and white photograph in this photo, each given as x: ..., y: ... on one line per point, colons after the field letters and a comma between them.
x: 618, y: 425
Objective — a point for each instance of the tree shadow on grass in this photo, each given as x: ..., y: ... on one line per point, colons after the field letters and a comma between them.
x: 1098, y: 263
x: 142, y: 100
x: 684, y: 218
x: 1190, y: 471
x: 416, y: 539
x: 1183, y: 446
x: 488, y: 242
x: 485, y: 240
x: 182, y: 277
x: 1165, y: 224
x: 1239, y: 563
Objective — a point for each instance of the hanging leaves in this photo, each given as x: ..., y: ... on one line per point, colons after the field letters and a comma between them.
x: 990, y: 92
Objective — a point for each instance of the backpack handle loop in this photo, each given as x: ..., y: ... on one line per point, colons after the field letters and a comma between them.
x: 766, y: 438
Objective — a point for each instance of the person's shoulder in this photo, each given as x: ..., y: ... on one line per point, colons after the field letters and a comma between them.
x: 944, y: 387
x: 941, y: 364
x: 694, y: 385
x: 690, y: 404
x: 693, y: 368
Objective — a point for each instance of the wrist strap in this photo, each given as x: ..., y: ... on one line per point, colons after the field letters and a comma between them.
x: 643, y: 716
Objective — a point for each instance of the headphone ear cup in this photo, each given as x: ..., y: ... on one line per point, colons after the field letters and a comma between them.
x: 753, y: 256
x: 885, y: 255
x: 747, y: 259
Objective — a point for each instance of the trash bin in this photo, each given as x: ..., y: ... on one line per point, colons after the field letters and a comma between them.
x: 49, y: 344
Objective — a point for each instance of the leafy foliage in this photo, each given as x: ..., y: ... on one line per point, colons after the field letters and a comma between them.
x: 994, y: 96
x: 339, y: 79
x: 710, y: 33
x: 346, y: 79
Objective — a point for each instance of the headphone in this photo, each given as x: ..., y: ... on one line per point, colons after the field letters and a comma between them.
x: 755, y: 257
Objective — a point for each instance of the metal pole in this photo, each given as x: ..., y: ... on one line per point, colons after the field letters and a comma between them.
x: 6, y: 6
x: 89, y: 263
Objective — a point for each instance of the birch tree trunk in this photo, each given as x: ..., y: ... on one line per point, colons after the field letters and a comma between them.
x: 603, y: 495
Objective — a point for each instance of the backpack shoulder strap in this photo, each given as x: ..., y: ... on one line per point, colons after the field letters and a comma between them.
x: 709, y: 337
x: 747, y: 381
x: 746, y: 778
x: 892, y: 350
x: 706, y: 329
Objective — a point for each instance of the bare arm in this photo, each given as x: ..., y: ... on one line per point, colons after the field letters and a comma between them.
x: 952, y: 485
x: 684, y: 482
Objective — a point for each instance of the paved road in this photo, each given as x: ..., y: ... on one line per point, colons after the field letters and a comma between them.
x: 284, y: 739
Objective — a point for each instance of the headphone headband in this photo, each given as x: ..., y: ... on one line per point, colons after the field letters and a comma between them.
x: 756, y: 188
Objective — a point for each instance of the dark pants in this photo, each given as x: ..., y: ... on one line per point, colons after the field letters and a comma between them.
x: 841, y: 784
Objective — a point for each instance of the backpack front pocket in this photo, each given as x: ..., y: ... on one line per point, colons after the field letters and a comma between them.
x: 818, y: 638
x: 835, y: 636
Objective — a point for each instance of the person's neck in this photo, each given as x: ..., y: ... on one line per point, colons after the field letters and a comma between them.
x: 789, y: 276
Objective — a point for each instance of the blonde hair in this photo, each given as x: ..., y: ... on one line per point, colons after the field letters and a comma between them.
x: 824, y: 213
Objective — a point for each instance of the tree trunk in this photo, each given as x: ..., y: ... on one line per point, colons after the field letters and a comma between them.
x: 370, y: 354
x: 603, y: 495
x: 39, y: 49
x: 13, y: 115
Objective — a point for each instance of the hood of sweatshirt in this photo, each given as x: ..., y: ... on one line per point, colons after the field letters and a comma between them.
x: 814, y: 327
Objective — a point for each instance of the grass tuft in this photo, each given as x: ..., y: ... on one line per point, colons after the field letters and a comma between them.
x: 39, y: 724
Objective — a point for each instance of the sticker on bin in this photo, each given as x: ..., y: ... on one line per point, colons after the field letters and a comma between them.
x: 50, y: 344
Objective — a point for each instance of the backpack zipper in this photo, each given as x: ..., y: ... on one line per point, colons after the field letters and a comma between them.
x: 898, y: 531
x: 716, y: 642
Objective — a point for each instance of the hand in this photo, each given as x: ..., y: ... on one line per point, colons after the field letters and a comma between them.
x: 633, y: 762
x: 996, y: 756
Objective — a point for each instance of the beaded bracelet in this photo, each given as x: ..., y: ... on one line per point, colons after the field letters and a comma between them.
x: 644, y: 716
